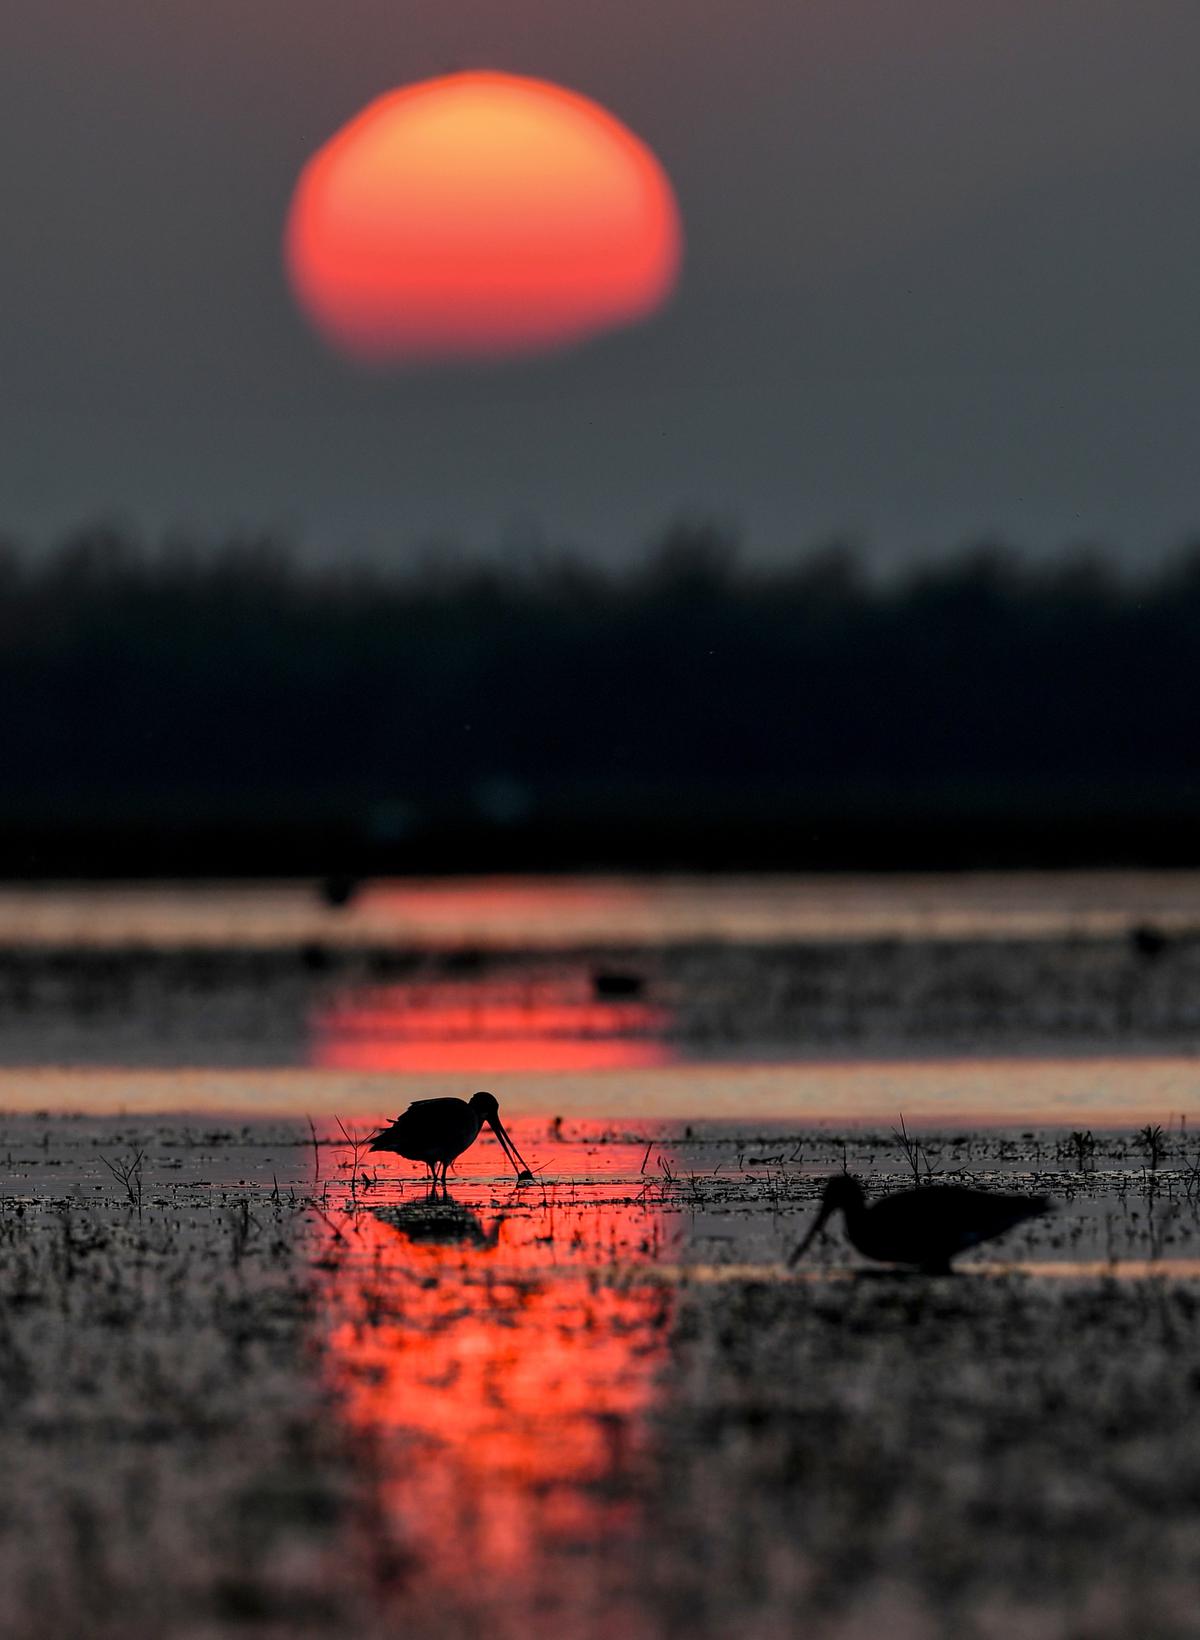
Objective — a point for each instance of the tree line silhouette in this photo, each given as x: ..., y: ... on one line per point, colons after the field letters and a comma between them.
x: 232, y: 690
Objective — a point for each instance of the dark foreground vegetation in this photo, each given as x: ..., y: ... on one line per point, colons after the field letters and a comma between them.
x: 227, y: 709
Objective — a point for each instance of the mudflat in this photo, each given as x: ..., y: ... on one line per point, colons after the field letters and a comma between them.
x: 253, y: 1383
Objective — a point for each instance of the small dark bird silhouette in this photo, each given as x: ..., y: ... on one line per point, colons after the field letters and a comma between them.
x: 437, y: 1131
x: 1149, y: 941
x: 926, y: 1227
x: 338, y: 889
x: 617, y: 983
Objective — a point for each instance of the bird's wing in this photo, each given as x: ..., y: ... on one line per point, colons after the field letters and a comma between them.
x: 414, y: 1104
x: 978, y: 1215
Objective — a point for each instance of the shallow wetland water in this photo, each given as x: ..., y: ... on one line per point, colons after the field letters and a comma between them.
x: 257, y: 1384
x: 272, y: 1401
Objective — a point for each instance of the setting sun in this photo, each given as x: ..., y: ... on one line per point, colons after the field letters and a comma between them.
x: 479, y: 216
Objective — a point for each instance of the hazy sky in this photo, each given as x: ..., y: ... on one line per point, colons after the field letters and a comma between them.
x: 941, y: 277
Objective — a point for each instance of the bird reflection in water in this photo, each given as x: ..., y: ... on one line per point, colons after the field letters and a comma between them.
x: 502, y: 1377
x: 440, y: 1222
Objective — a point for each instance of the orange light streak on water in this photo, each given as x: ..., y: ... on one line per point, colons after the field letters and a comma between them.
x: 486, y: 1027
x: 503, y: 1392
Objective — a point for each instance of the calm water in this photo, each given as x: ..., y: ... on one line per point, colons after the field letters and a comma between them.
x: 262, y: 999
x: 539, y: 1378
x: 528, y: 1371
x: 526, y: 914
x: 1017, y: 1092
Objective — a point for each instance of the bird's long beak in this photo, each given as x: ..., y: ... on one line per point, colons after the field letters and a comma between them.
x: 510, y: 1150
x: 818, y: 1225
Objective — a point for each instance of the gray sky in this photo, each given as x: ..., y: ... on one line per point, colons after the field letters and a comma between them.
x: 941, y: 278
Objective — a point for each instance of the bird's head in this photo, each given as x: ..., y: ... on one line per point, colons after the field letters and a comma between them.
x: 488, y: 1108
x: 842, y: 1193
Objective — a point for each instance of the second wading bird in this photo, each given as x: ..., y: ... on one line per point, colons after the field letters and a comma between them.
x: 437, y: 1131
x: 925, y: 1227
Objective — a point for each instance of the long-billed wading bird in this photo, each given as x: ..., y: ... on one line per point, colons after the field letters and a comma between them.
x: 437, y: 1131
x: 925, y: 1227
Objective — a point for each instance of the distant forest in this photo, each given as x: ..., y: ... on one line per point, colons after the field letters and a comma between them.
x: 229, y: 709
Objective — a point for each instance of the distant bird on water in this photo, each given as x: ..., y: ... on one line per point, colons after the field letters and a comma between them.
x: 925, y: 1227
x: 437, y: 1131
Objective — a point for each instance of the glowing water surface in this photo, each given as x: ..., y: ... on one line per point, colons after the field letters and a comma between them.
x: 505, y: 1354
x: 501, y: 1377
x: 544, y: 1021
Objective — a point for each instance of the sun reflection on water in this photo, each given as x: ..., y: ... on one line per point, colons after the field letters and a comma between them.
x: 489, y: 1024
x: 500, y: 1361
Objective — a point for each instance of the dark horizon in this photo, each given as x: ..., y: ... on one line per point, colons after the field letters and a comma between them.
x: 234, y: 710
x: 526, y: 549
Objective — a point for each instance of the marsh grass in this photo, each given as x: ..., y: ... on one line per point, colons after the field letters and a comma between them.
x: 1152, y: 1142
x: 1083, y: 1147
x: 826, y: 1456
x: 358, y: 1144
x: 170, y: 1464
x: 127, y: 1170
x: 915, y: 1155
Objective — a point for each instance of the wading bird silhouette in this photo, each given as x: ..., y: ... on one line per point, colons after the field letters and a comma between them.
x: 437, y: 1131
x: 925, y: 1227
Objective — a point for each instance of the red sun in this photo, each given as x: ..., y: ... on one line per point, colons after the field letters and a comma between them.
x: 480, y: 216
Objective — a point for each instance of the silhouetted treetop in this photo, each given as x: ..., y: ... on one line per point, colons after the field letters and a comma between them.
x: 233, y: 669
